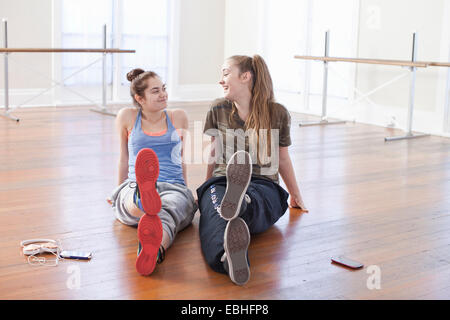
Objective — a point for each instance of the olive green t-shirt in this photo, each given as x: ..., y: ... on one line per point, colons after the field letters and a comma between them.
x: 232, y: 137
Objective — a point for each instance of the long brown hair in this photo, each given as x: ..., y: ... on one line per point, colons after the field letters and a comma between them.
x: 262, y: 97
x: 138, y: 79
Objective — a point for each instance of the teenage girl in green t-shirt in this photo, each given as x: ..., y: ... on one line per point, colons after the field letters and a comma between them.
x: 236, y: 204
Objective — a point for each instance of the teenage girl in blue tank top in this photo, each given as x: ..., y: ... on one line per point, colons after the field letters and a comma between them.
x: 152, y: 191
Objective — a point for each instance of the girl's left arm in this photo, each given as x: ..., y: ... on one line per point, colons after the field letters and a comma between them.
x: 286, y: 171
x: 181, y: 123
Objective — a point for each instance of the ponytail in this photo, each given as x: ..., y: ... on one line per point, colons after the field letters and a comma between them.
x: 262, y: 99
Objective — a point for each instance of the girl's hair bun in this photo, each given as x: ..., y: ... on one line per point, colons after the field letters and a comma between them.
x: 134, y: 73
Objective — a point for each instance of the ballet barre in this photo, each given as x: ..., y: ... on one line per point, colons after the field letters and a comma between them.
x: 402, y: 63
x: 412, y: 64
x: 65, y: 50
x: 6, y: 51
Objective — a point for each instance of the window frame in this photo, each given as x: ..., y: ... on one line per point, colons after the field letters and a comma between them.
x: 116, y: 91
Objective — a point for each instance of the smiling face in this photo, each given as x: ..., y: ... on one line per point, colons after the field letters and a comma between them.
x: 234, y: 83
x: 154, y: 97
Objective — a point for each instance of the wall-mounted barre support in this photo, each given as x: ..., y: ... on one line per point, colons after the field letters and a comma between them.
x: 412, y: 88
x: 5, y: 57
x: 102, y: 109
x: 413, y: 64
x: 324, y: 119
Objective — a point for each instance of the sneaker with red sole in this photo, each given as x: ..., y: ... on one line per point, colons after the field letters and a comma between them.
x: 150, y: 233
x: 147, y: 172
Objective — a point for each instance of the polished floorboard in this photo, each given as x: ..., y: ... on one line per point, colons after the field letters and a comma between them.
x: 385, y: 204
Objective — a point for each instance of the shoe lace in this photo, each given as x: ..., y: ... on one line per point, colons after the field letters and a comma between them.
x: 161, y: 255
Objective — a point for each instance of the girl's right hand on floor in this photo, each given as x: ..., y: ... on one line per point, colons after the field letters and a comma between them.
x: 297, y: 202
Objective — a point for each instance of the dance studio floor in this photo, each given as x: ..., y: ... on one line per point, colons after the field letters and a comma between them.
x: 385, y: 204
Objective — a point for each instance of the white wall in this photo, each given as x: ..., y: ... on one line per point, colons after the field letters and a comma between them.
x: 243, y: 27
x: 205, y: 32
x: 201, y: 40
x: 198, y: 32
x: 384, y: 31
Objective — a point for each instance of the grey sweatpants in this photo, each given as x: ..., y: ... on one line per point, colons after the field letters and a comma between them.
x: 177, y: 211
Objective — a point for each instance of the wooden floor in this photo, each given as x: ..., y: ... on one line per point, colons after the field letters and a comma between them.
x: 384, y: 204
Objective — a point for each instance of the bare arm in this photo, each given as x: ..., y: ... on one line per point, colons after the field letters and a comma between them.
x: 211, y: 159
x: 184, y: 126
x: 181, y: 124
x: 287, y: 172
x: 121, y: 127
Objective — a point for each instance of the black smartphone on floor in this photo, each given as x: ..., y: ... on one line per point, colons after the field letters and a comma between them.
x: 342, y: 260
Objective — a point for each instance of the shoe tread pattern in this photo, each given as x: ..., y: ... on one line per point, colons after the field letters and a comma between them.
x: 147, y: 172
x: 237, y: 241
x: 238, y: 178
x: 150, y: 236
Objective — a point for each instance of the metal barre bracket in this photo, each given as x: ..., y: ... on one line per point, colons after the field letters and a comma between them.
x: 324, y: 120
x: 320, y: 123
x: 412, y: 65
x: 408, y: 135
x: 7, y: 115
x: 5, y: 50
x: 412, y: 88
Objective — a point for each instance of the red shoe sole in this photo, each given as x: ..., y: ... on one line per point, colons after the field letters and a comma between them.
x: 147, y: 172
x: 150, y: 234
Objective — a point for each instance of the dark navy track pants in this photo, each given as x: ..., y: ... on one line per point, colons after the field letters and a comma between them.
x: 268, y: 204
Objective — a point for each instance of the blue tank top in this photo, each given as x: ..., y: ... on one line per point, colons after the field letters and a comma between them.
x: 167, y: 147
